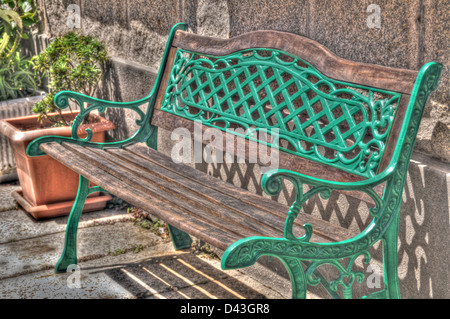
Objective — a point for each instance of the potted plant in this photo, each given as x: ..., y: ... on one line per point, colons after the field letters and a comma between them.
x: 71, y: 62
x: 18, y: 89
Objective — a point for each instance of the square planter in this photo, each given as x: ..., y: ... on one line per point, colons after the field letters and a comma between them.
x: 9, y: 109
x: 48, y: 187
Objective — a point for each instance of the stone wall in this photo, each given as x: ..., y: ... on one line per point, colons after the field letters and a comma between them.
x: 411, y: 33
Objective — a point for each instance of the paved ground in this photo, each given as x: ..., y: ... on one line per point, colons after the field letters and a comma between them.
x: 118, y: 259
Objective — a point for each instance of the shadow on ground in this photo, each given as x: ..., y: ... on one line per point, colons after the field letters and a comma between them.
x: 178, y: 276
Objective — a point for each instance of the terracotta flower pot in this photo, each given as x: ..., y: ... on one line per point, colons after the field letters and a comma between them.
x: 48, y: 187
x: 13, y: 108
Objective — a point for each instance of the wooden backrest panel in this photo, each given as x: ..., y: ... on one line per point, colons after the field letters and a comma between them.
x: 325, y: 61
x: 306, y: 100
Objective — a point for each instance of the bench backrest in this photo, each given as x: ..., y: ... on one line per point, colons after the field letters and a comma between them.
x: 333, y: 117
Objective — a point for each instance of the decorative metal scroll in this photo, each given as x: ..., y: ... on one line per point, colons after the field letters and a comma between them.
x: 335, y: 123
x: 386, y: 212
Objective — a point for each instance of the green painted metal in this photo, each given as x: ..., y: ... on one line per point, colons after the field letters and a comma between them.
x: 69, y: 255
x: 384, y: 225
x: 180, y: 239
x: 146, y: 132
x: 321, y: 119
x: 230, y: 91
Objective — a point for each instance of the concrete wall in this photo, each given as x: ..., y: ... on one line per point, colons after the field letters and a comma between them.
x: 412, y: 32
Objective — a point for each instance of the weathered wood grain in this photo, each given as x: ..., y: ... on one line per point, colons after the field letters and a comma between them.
x: 328, y: 63
x: 165, y: 78
x: 185, y: 194
x: 266, y: 205
x: 286, y: 161
x: 205, y: 231
x: 195, y: 206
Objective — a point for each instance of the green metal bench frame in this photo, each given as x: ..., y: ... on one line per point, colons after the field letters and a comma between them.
x: 381, y: 116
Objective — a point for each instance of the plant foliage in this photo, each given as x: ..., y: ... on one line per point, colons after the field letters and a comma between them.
x: 71, y: 62
x: 27, y: 9
x: 16, y: 78
x: 16, y: 75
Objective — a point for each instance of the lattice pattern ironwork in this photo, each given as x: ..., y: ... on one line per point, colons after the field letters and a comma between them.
x: 336, y: 123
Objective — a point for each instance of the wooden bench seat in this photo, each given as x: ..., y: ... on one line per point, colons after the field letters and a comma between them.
x: 332, y: 125
x: 212, y: 210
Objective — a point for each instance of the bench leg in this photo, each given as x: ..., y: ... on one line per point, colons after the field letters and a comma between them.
x: 390, y: 261
x: 390, y: 269
x: 180, y: 239
x: 69, y: 255
x: 297, y: 275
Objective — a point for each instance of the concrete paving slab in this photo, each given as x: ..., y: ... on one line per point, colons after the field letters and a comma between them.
x: 42, y: 252
x: 17, y: 224
x: 156, y: 272
x: 48, y: 285
x: 94, y: 281
x: 6, y: 200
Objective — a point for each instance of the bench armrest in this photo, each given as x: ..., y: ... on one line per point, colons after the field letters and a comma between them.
x: 146, y: 130
x: 270, y: 180
x: 88, y: 104
x: 272, y: 184
x: 62, y: 101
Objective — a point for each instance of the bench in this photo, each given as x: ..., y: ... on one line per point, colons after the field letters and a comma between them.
x: 334, y: 124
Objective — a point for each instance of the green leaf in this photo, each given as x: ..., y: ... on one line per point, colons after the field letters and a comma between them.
x: 28, y: 22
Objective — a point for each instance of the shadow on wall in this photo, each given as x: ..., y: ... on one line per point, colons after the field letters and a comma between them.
x: 424, y: 223
x: 108, y: 91
x: 424, y: 233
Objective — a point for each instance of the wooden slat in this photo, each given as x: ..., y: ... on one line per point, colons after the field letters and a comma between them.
x: 129, y: 181
x: 165, y: 78
x: 172, y: 215
x: 286, y: 161
x: 197, y: 207
x: 329, y: 64
x: 216, y: 201
x: 320, y: 227
x: 250, y: 216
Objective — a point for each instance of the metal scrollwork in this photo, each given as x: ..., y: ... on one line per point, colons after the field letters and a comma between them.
x: 218, y: 91
x: 385, y: 213
x: 346, y: 276
x: 88, y: 104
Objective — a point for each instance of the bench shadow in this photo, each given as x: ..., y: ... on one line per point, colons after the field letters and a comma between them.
x: 178, y: 276
x: 107, y: 90
x: 423, y: 231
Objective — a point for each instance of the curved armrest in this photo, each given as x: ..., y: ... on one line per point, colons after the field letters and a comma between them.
x: 62, y: 102
x: 145, y: 132
x: 272, y: 183
x: 88, y: 104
